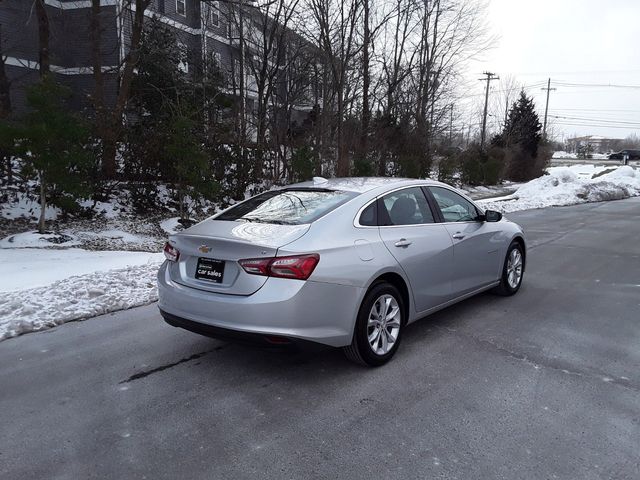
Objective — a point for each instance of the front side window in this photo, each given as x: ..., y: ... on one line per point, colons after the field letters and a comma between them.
x: 287, y: 207
x: 405, y: 207
x: 454, y: 207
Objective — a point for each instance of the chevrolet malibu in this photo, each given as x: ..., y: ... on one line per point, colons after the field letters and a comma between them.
x: 342, y: 262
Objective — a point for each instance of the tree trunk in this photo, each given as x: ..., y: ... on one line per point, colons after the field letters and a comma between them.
x: 43, y: 38
x: 343, y: 161
x: 366, y: 80
x: 43, y: 204
x: 43, y: 60
x: 5, y: 85
x: 114, y: 124
x: 5, y: 108
x: 96, y: 58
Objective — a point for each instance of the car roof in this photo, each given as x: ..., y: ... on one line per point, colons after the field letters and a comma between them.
x: 361, y: 184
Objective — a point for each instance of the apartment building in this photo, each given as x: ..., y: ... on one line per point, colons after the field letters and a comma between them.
x: 205, y: 29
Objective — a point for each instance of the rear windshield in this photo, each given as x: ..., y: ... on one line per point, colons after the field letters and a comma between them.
x: 287, y: 207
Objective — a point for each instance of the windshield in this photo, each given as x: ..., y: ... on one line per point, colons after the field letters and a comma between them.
x: 287, y: 207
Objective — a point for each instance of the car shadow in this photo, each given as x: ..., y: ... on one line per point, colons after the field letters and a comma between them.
x: 306, y: 363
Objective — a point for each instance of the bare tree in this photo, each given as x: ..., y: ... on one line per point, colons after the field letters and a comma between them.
x: 269, y: 56
x: 109, y: 119
x: 504, y: 97
x: 451, y: 32
x: 333, y: 26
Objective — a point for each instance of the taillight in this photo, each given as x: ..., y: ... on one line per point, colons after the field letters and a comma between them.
x: 299, y: 267
x: 171, y: 253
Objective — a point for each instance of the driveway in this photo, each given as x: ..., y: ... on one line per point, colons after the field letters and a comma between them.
x: 545, y: 384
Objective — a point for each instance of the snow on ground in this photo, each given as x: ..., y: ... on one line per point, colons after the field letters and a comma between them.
x: 33, y: 239
x: 41, y: 288
x: 21, y: 205
x: 76, y: 298
x: 118, y: 238
x: 25, y: 268
x: 171, y: 225
x: 560, y: 154
x: 563, y: 154
x: 570, y: 186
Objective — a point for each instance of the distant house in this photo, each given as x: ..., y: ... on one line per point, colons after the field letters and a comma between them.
x: 593, y: 144
x: 205, y: 30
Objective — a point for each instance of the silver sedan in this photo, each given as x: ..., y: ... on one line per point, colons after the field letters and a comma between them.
x: 341, y: 262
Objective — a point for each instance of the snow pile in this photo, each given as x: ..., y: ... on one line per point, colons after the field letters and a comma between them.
x: 583, y: 170
x: 76, y: 298
x: 562, y: 186
x: 563, y: 154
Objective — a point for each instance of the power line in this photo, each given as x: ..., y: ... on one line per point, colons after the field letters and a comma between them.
x: 564, y: 124
x: 593, y: 110
x: 612, y: 85
x: 598, y: 120
x: 573, y: 72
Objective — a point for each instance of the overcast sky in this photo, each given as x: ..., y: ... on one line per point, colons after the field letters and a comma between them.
x: 571, y: 41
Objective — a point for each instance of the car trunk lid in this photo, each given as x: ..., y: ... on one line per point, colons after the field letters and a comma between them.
x: 210, y: 250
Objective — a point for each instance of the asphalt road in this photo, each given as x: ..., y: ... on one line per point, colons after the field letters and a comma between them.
x: 542, y: 385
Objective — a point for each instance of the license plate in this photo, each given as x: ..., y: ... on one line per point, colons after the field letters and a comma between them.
x: 210, y: 269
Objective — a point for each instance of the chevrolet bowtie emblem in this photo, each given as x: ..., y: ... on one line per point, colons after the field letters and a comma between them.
x: 204, y: 248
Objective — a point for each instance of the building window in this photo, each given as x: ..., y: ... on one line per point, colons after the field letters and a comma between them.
x: 213, y: 14
x: 181, y: 7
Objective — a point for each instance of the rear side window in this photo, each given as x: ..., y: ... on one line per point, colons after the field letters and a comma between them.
x: 405, y: 207
x: 287, y: 207
x: 369, y: 217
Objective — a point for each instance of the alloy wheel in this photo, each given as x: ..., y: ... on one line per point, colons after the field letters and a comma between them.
x: 383, y: 325
x: 514, y: 268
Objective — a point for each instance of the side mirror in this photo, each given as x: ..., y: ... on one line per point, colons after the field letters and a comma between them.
x: 492, y: 216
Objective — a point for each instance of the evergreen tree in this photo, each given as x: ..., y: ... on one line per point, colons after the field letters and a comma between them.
x: 173, y: 135
x: 521, y: 139
x: 52, y: 143
x: 190, y: 169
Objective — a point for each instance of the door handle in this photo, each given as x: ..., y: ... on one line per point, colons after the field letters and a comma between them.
x: 458, y: 236
x: 403, y: 242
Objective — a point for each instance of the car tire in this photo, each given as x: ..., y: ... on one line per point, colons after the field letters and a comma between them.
x: 375, y: 316
x: 512, y: 271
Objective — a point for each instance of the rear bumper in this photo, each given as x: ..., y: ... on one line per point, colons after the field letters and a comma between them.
x: 230, y: 335
x: 300, y: 310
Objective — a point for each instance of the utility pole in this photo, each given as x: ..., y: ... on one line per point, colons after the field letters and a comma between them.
x: 490, y: 76
x: 451, y: 126
x: 546, y: 110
